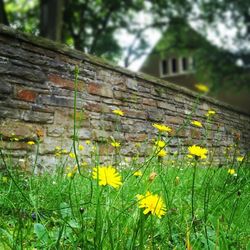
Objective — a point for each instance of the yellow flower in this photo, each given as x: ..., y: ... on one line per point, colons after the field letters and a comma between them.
x: 57, y: 154
x: 72, y: 155
x: 118, y: 112
x: 197, y: 124
x: 202, y: 87
x: 84, y: 164
x: 153, y: 204
x: 240, y: 158
x: 231, y: 171
x: 64, y: 151
x: 115, y: 144
x: 80, y: 147
x: 4, y: 179
x: 160, y: 144
x: 210, y: 113
x: 137, y: 173
x: 107, y: 176
x: 162, y: 153
x: 88, y: 142
x: 57, y: 148
x: 71, y: 174
x: 162, y: 127
x: 198, y: 151
x: 30, y: 142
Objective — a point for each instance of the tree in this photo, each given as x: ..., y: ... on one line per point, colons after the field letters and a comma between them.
x: 51, y: 19
x: 3, y: 16
x: 92, y: 25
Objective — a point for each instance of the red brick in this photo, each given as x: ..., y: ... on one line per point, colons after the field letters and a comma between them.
x: 26, y: 95
x: 101, y: 90
x: 65, y: 83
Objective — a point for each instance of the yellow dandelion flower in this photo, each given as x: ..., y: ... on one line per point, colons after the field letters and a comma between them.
x: 80, y: 147
x: 162, y: 153
x: 152, y: 204
x: 107, y: 176
x: 84, y: 164
x: 118, y: 112
x: 202, y: 87
x: 160, y: 144
x: 72, y: 155
x: 116, y: 144
x: 57, y: 154
x: 137, y: 173
x: 231, y: 171
x: 197, y: 124
x: 198, y: 151
x: 70, y: 174
x: 88, y: 142
x: 162, y: 127
x: 240, y: 158
x: 30, y: 142
x: 210, y: 113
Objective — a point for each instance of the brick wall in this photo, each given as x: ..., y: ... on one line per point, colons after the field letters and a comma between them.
x: 37, y: 97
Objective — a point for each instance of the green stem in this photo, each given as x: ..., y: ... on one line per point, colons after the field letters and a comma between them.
x: 192, y: 195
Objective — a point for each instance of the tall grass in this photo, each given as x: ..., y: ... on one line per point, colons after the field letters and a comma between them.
x: 206, y: 205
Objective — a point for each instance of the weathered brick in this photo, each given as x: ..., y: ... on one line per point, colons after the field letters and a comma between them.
x: 132, y: 84
x: 27, y: 95
x: 149, y: 102
x: 174, y: 120
x: 136, y: 137
x: 101, y: 90
x: 58, y: 81
x: 5, y: 88
x: 43, y: 84
x: 19, y: 129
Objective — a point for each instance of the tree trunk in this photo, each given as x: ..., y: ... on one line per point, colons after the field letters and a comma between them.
x: 51, y: 18
x: 3, y: 16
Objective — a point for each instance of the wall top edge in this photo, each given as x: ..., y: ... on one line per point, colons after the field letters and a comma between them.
x: 81, y: 56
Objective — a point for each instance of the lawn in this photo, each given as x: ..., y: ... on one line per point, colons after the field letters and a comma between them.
x: 163, y: 202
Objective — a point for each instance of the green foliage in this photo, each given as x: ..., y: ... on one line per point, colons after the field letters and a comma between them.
x: 65, y: 220
x: 23, y: 14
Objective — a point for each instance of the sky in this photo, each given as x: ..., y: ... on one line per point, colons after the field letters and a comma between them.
x: 222, y: 36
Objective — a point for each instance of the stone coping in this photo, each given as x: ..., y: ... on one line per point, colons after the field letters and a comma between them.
x: 81, y: 56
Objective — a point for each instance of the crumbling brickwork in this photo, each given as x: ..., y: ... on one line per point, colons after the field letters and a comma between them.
x: 37, y: 94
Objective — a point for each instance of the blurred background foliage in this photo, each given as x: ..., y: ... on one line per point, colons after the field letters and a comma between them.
x: 93, y: 26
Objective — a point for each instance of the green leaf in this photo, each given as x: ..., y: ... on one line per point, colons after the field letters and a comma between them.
x: 41, y: 232
x: 65, y: 210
